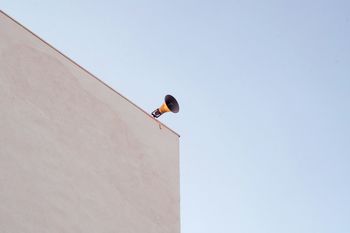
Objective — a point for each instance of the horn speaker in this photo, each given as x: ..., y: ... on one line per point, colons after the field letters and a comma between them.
x: 170, y: 105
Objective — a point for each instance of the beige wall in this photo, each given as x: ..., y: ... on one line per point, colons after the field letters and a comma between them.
x: 75, y: 156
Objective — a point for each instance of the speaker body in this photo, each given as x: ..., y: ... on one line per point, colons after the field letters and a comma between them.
x: 170, y: 105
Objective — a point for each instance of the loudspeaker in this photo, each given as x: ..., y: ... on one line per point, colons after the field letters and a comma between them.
x: 170, y: 105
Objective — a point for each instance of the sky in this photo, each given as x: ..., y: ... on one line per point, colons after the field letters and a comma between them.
x: 264, y: 92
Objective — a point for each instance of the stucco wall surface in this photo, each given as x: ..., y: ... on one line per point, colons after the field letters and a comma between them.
x: 75, y: 156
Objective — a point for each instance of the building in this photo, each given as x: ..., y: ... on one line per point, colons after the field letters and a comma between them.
x: 76, y: 156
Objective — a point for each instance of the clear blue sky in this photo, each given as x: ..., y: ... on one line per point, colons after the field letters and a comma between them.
x: 264, y: 89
